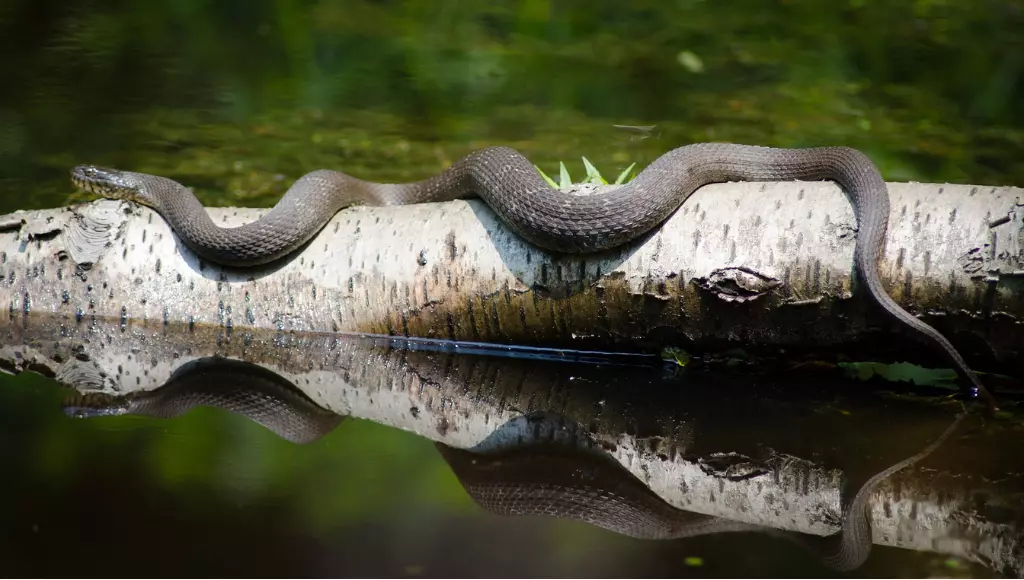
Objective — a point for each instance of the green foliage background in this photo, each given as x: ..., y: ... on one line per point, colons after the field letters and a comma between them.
x: 240, y: 98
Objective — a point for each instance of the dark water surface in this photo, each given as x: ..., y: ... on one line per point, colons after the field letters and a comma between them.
x: 213, y: 494
x: 239, y: 99
x: 248, y: 473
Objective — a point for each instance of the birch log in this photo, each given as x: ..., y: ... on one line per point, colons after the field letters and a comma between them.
x: 715, y: 449
x: 762, y: 266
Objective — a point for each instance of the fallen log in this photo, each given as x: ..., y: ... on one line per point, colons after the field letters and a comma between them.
x: 766, y: 267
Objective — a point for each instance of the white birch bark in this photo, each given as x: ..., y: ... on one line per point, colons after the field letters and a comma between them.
x: 764, y: 267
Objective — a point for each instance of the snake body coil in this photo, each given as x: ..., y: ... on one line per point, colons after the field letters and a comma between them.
x: 513, y: 188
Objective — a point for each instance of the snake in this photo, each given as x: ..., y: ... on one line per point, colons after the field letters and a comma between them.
x: 527, y: 479
x: 553, y: 220
x: 252, y: 391
x: 552, y: 480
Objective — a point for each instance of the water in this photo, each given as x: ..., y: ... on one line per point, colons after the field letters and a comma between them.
x: 239, y: 99
x: 194, y: 460
x: 212, y: 493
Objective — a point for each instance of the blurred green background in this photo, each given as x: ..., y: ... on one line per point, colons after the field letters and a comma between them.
x: 239, y: 98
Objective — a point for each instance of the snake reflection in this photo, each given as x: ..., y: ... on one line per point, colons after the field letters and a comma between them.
x: 533, y: 479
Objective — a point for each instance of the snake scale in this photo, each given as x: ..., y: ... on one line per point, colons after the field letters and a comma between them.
x: 534, y: 479
x: 510, y: 184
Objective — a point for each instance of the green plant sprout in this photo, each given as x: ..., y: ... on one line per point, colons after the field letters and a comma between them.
x: 593, y: 175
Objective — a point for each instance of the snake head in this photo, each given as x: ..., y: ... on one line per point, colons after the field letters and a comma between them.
x: 107, y: 182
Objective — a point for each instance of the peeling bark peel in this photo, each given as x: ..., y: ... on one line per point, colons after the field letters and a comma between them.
x: 741, y: 264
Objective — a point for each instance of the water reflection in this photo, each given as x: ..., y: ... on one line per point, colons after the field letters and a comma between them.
x: 249, y: 390
x: 625, y: 447
x: 549, y: 479
x: 532, y: 473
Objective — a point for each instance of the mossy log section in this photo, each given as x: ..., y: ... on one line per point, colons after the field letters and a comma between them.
x: 766, y: 267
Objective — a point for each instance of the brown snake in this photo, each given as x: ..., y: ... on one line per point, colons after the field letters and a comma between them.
x: 542, y: 479
x: 558, y: 222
